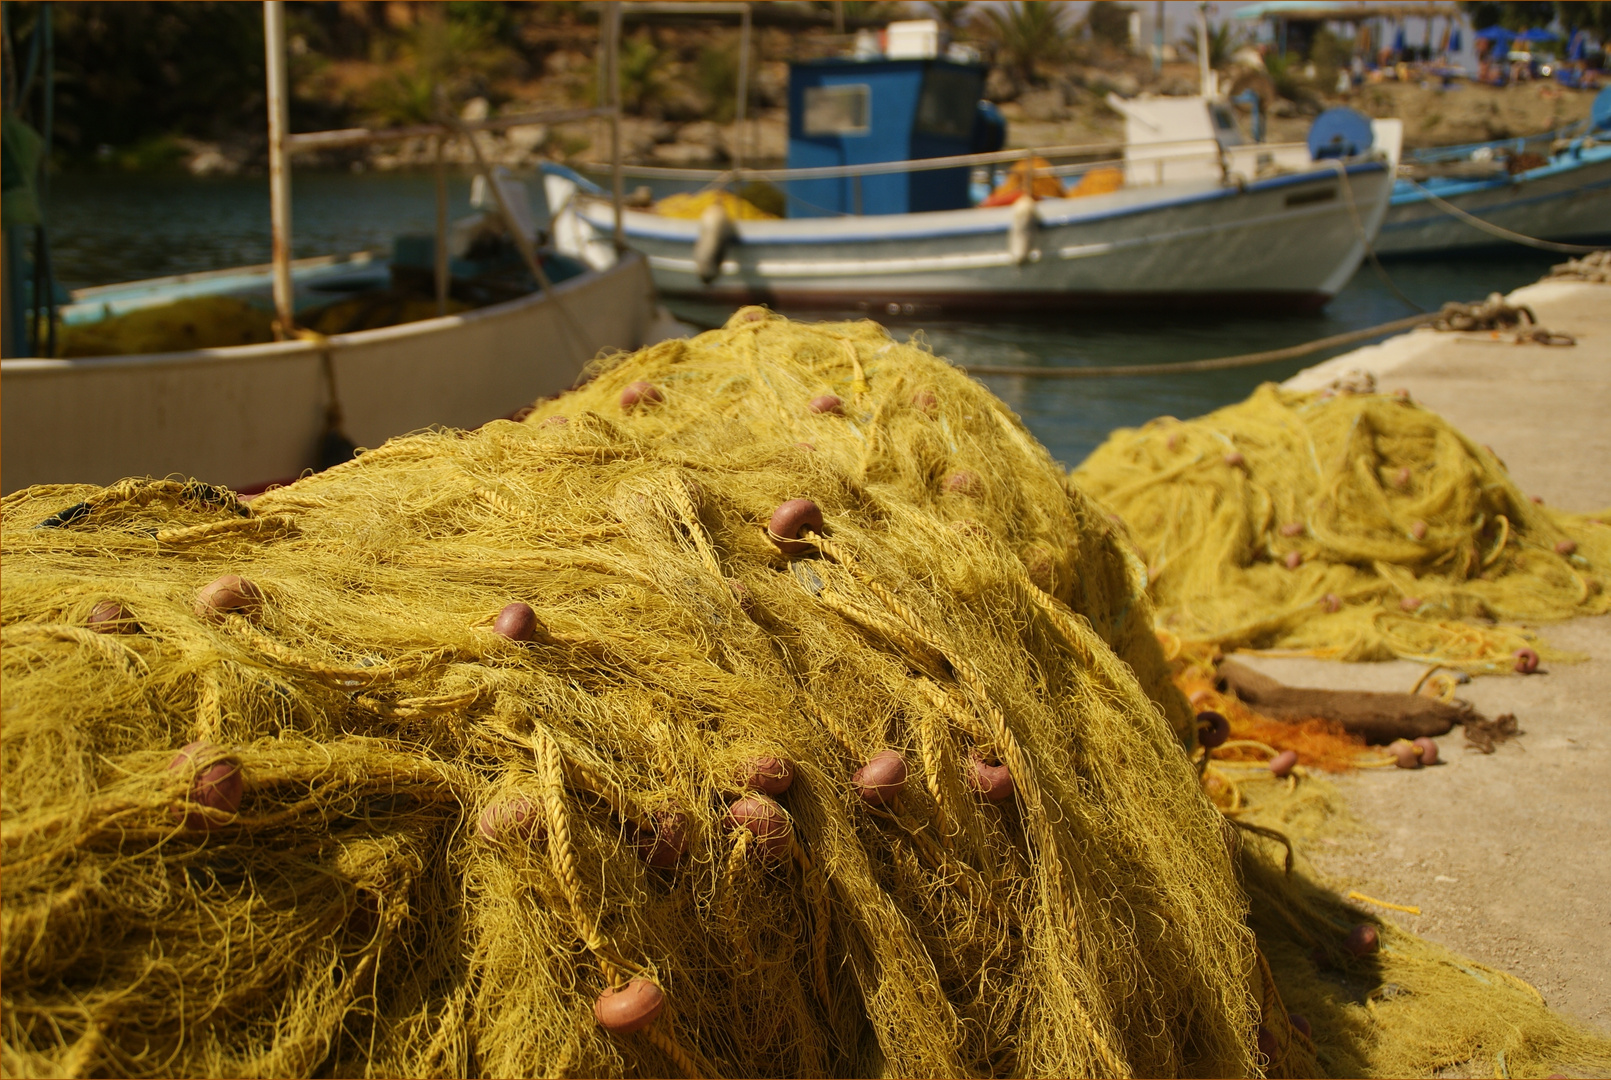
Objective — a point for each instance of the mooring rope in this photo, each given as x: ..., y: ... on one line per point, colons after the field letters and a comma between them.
x: 1219, y: 363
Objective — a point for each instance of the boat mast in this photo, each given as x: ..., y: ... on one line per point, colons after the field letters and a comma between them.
x: 279, y: 165
x: 1205, y: 71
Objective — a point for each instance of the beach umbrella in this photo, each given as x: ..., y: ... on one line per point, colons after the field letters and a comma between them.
x: 1494, y: 33
x: 1537, y: 35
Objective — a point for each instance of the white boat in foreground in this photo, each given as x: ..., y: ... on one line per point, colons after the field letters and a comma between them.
x: 249, y: 415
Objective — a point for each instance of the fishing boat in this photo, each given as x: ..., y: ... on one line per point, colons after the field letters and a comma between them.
x: 1554, y: 187
x: 498, y: 321
x: 894, y: 204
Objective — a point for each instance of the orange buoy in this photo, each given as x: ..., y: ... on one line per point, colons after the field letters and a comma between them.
x: 827, y: 403
x: 1407, y: 753
x: 790, y: 520
x: 1283, y: 763
x: 766, y: 821
x: 111, y: 617
x: 1235, y: 459
x: 1293, y: 560
x: 623, y: 1010
x: 1363, y: 940
x: 1292, y: 528
x: 518, y: 622
x: 516, y: 818
x: 1429, y: 750
x: 1331, y: 603
x: 1565, y: 547
x: 664, y: 845
x: 1526, y: 660
x: 640, y: 393
x: 768, y: 775
x: 1409, y: 603
x: 1418, y: 530
x: 230, y: 594
x: 926, y: 401
x: 216, y: 787
x: 994, y: 782
x: 963, y: 482
x: 880, y: 780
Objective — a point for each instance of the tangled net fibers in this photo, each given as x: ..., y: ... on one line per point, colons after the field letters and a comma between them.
x: 449, y: 842
x: 1347, y: 525
x: 907, y: 792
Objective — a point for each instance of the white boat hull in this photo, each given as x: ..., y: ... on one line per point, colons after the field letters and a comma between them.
x: 1288, y: 242
x: 254, y: 414
x: 1551, y: 203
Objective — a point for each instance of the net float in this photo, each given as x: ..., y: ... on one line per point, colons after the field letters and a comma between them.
x: 926, y: 400
x: 111, y: 617
x: 1269, y: 1046
x: 555, y: 421
x: 1331, y: 603
x: 880, y: 780
x: 807, y: 447
x: 1403, y: 478
x: 1172, y: 443
x: 790, y: 520
x: 1300, y: 1024
x: 1282, y: 764
x: 768, y: 775
x: 766, y: 821
x: 1565, y: 547
x: 994, y: 782
x: 1292, y: 528
x: 216, y: 785
x: 623, y: 1010
x: 1410, y: 603
x: 1402, y: 394
x: 1418, y: 530
x: 664, y: 845
x: 1293, y: 560
x: 1201, y: 695
x: 228, y: 595
x: 740, y: 593
x: 1363, y: 940
x: 1537, y: 499
x: 517, y: 818
x: 827, y: 403
x: 1407, y: 753
x: 640, y: 393
x: 1526, y: 660
x: 1212, y: 729
x: 1235, y: 459
x: 1429, y: 750
x: 518, y: 622
x: 963, y: 482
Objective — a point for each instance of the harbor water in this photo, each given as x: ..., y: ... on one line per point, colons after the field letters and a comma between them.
x: 109, y: 228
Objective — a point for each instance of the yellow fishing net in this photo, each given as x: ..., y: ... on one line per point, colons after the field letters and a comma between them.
x: 420, y: 828
x: 1354, y: 526
x: 691, y: 205
x: 198, y: 322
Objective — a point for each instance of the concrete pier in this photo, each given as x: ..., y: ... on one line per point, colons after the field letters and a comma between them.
x: 1509, y: 855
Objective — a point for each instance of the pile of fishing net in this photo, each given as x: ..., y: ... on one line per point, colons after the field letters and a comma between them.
x: 584, y: 745
x: 197, y: 322
x: 1358, y: 526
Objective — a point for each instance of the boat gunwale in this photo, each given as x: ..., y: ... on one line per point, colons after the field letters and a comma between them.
x: 37, y: 365
x: 995, y: 219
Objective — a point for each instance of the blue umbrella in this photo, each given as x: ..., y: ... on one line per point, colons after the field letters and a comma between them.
x: 1494, y: 33
x: 1578, y: 47
x: 1536, y: 35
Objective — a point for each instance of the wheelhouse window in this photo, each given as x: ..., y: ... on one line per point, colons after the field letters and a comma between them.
x: 837, y: 110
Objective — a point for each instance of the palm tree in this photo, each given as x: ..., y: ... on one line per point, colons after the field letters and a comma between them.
x: 1029, y: 33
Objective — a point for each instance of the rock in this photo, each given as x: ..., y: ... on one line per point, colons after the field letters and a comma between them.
x: 477, y: 108
x: 1043, y: 105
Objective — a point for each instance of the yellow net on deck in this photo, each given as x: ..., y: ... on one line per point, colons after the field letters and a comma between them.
x: 691, y: 205
x: 1354, y: 526
x: 469, y: 837
x: 199, y: 322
